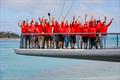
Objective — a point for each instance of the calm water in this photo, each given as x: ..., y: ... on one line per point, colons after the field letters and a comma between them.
x: 19, y: 67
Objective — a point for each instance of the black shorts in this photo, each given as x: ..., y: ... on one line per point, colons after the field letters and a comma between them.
x: 85, y: 39
x: 47, y: 38
x: 60, y: 38
x: 36, y: 38
x: 73, y: 39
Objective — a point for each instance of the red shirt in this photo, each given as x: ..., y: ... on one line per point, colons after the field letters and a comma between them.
x: 39, y: 29
x: 72, y: 29
x: 56, y: 27
x: 78, y: 28
x: 84, y: 30
x: 104, y: 28
x: 32, y: 28
x: 23, y: 28
x: 66, y: 30
x: 60, y: 29
x: 92, y: 31
x: 98, y: 27
x: 49, y: 30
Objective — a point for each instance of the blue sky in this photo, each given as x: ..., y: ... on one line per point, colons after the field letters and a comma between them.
x: 11, y: 11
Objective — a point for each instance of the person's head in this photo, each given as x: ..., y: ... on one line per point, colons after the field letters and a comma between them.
x: 66, y: 22
x: 23, y: 22
x: 94, y: 23
x: 85, y: 25
x: 91, y: 23
x: 36, y: 23
x: 98, y: 21
x: 104, y: 23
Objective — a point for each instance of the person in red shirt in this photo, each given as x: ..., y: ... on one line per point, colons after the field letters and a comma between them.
x: 49, y: 34
x: 104, y: 30
x: 84, y: 36
x: 92, y: 34
x: 72, y: 35
x: 60, y: 36
x: 41, y: 29
x: 56, y: 34
x: 66, y: 31
x: 98, y: 35
x: 27, y: 40
x: 23, y: 30
x: 32, y: 33
x: 78, y: 36
x: 37, y: 36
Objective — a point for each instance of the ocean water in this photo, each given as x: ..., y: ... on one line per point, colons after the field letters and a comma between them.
x: 20, y: 67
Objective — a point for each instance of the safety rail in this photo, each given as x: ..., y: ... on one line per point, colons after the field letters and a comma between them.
x: 112, y: 40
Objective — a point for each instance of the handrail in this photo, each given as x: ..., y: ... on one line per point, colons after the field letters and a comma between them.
x: 66, y: 33
x: 105, y: 42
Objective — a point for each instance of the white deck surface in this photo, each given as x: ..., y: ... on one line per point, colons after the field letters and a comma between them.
x: 93, y: 54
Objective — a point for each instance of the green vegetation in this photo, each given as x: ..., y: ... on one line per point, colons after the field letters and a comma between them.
x: 8, y: 35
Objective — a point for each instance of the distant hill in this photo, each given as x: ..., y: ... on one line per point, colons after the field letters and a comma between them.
x: 9, y: 35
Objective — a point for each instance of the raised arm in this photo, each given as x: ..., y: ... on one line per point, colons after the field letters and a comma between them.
x: 85, y: 17
x: 19, y: 24
x: 105, y: 19
x: 109, y: 23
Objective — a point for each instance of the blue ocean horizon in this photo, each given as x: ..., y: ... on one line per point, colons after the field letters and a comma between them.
x: 19, y: 67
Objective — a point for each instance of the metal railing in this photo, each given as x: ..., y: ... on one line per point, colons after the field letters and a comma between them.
x: 111, y: 40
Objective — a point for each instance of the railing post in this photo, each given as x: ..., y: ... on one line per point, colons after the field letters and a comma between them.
x: 117, y: 41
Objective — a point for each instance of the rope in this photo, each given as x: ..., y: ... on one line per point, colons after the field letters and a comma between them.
x: 69, y: 9
x: 62, y: 9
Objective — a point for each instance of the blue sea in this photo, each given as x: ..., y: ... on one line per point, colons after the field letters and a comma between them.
x: 20, y: 67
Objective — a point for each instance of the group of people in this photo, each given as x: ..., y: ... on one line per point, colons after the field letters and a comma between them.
x: 51, y: 34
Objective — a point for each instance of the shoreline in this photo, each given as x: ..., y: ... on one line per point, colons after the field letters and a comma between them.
x: 9, y: 38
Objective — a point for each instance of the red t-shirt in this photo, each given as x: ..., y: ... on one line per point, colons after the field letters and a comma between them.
x: 66, y: 30
x: 49, y: 30
x: 98, y: 28
x: 104, y: 30
x: 78, y: 28
x: 39, y: 29
x: 84, y: 30
x: 32, y: 28
x: 92, y: 31
x: 72, y: 30
x: 60, y: 29
x: 23, y: 29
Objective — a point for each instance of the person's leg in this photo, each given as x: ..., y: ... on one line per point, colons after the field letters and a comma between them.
x: 43, y: 41
x: 90, y: 43
x: 32, y: 38
x: 100, y: 42
x: 38, y: 43
x: 21, y: 41
x: 82, y: 41
x: 77, y: 41
x: 86, y: 42
x: 73, y: 42
x: 26, y: 41
x: 51, y: 42
x: 66, y: 41
x: 29, y: 37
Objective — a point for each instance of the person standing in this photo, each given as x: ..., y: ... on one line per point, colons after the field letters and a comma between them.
x: 84, y: 36
x: 32, y: 33
x: 92, y: 34
x: 22, y: 39
x: 104, y: 30
x: 78, y: 36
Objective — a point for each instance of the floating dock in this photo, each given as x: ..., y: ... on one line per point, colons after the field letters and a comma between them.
x: 88, y: 54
